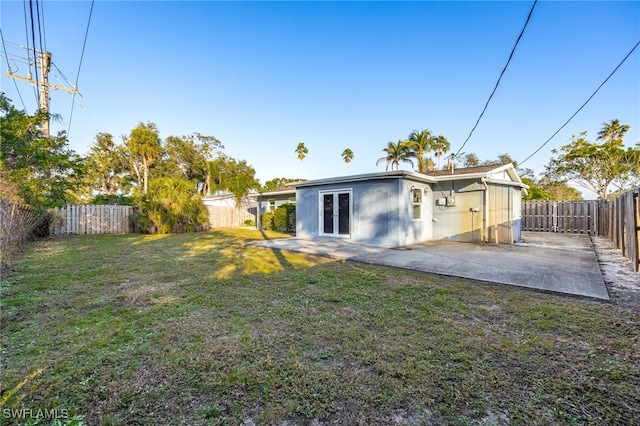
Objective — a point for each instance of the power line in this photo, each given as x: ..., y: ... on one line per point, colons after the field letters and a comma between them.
x: 4, y: 46
x: 499, y: 78
x: 40, y: 27
x: 84, y: 44
x: 583, y: 105
x: 26, y: 32
x: 33, y: 39
x: 44, y: 32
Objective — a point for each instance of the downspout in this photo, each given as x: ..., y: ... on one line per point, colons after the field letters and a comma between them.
x: 258, y: 212
x: 485, y: 215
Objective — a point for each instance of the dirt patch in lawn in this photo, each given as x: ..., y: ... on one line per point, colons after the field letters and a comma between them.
x: 623, y: 283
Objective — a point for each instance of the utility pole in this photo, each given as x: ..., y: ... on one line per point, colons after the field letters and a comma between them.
x: 43, y: 61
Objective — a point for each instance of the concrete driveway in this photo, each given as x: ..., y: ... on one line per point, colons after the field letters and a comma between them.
x: 559, y: 263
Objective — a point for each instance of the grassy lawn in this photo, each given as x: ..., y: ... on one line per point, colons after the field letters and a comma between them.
x: 200, y: 329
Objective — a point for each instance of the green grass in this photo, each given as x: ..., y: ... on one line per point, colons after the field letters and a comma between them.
x: 201, y: 329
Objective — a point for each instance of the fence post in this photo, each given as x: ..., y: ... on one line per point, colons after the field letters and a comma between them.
x: 636, y: 226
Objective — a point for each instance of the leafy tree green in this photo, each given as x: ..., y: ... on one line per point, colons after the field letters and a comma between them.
x: 188, y: 156
x: 107, y: 166
x: 144, y: 149
x: 470, y: 160
x: 395, y: 153
x: 236, y: 177
x: 597, y: 166
x: 41, y: 172
x: 277, y: 183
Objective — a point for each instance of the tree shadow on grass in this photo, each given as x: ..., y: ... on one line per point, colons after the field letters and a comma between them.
x: 286, y: 265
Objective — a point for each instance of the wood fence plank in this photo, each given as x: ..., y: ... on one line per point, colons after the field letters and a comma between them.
x: 81, y: 219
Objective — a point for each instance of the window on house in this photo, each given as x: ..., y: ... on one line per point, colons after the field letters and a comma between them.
x: 272, y: 205
x: 417, y: 204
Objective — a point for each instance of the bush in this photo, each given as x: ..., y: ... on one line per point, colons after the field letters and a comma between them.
x: 266, y: 220
x: 282, y: 218
x: 171, y: 206
x: 249, y: 222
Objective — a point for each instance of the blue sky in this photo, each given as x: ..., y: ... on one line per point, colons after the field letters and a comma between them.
x: 263, y: 76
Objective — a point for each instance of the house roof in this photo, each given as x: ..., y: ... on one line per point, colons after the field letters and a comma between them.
x: 466, y: 170
x: 276, y: 192
x: 395, y: 174
x: 491, y: 173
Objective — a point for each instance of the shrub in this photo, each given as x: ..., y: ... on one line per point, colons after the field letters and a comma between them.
x: 171, y: 205
x: 266, y: 220
x: 249, y: 222
x: 282, y: 218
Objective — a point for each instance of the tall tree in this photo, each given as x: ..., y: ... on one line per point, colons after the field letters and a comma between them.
x: 347, y: 155
x: 302, y: 152
x: 419, y: 145
x: 395, y: 153
x: 594, y: 166
x: 441, y: 146
x: 188, y: 156
x: 229, y: 174
x: 42, y: 171
x: 106, y: 165
x: 145, y: 149
x: 613, y: 130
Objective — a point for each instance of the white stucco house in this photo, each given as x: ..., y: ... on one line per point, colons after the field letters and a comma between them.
x: 397, y: 208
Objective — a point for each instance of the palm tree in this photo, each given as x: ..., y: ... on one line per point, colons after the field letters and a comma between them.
x: 347, y: 155
x: 613, y: 130
x: 419, y: 144
x: 302, y: 152
x: 395, y: 153
x: 440, y: 145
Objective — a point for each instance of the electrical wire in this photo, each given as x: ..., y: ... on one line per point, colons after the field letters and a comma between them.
x: 84, y: 44
x: 40, y: 27
x: 4, y: 46
x: 520, y: 163
x: 500, y: 78
x: 26, y: 32
x: 33, y: 39
x: 44, y: 32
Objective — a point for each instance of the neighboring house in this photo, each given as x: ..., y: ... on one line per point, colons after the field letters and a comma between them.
x: 397, y: 208
x: 224, y: 211
x: 271, y: 200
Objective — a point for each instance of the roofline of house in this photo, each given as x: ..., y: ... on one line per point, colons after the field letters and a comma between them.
x: 395, y: 174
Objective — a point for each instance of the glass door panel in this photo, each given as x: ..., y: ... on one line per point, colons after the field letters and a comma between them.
x: 343, y: 213
x: 328, y: 215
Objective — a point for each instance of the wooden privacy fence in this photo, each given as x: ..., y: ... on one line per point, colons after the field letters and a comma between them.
x: 576, y: 217
x: 230, y: 216
x: 89, y: 219
x: 618, y: 220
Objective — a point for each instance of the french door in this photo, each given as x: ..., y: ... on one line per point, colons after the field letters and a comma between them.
x: 335, y: 213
